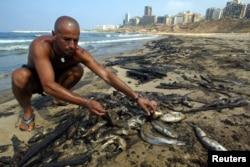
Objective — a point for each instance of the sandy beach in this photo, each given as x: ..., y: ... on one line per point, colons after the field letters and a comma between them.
x: 206, y: 68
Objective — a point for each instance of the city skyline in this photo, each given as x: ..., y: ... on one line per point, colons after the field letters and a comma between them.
x: 33, y: 15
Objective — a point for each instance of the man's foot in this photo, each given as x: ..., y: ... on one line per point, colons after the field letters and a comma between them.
x: 27, y: 125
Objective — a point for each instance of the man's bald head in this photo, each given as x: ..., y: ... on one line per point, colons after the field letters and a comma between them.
x: 66, y: 22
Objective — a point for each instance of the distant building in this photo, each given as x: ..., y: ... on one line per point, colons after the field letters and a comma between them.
x: 161, y: 20
x: 148, y: 20
x: 213, y: 14
x: 127, y: 18
x: 179, y: 18
x: 248, y: 12
x: 168, y: 20
x: 107, y: 27
x: 148, y: 11
x: 235, y: 9
x: 197, y: 17
x: 188, y: 17
x: 217, y: 14
x: 134, y: 21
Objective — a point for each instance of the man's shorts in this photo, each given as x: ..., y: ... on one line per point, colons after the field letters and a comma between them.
x: 39, y: 90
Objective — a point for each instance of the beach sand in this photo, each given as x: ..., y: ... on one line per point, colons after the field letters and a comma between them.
x: 222, y: 57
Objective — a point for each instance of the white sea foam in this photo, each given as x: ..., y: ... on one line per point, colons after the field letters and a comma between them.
x: 115, y: 40
x: 5, y: 75
x: 129, y: 35
x: 15, y: 40
x: 14, y: 47
x: 31, y: 31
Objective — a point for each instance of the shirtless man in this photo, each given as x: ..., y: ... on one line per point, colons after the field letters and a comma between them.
x: 54, y: 67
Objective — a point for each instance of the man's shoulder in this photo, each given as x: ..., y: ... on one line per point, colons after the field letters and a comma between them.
x: 81, y: 51
x: 43, y: 39
x: 83, y: 54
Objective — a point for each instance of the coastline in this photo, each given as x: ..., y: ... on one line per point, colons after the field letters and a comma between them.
x: 188, y: 51
x: 6, y: 94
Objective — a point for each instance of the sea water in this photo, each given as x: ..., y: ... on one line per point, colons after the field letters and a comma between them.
x: 14, y: 47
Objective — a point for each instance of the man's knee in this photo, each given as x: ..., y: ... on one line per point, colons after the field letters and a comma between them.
x: 20, y: 77
x: 77, y: 71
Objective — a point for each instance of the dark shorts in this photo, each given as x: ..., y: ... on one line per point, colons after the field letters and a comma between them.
x: 39, y: 90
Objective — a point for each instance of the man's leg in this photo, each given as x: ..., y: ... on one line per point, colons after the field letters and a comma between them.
x: 68, y: 79
x: 23, y: 84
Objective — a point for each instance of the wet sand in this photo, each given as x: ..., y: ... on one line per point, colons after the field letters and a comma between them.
x: 224, y: 58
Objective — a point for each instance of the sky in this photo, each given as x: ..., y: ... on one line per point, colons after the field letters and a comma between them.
x: 41, y: 14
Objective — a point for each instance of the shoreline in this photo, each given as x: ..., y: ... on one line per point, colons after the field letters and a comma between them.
x: 221, y: 57
x: 4, y: 94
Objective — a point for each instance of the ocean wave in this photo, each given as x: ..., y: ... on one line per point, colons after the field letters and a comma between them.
x: 32, y: 31
x: 5, y: 75
x: 14, y: 47
x: 129, y: 35
x: 115, y: 40
x: 14, y: 40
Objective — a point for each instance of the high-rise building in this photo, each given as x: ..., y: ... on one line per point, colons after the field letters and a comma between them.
x: 235, y: 9
x: 148, y: 20
x: 179, y: 18
x: 213, y: 14
x: 148, y: 11
x: 127, y: 18
x: 248, y: 11
x: 134, y: 21
x: 188, y: 17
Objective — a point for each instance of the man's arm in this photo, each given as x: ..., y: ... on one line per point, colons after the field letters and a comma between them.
x: 147, y: 105
x: 107, y: 76
x: 40, y: 51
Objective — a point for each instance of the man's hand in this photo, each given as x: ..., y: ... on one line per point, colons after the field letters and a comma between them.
x: 147, y: 105
x: 95, y: 107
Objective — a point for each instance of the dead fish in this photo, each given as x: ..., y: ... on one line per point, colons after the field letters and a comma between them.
x: 140, y: 119
x: 126, y: 132
x: 135, y: 122
x: 104, y: 138
x: 115, y: 120
x: 206, y: 78
x: 157, y: 140
x: 157, y: 114
x: 18, y: 145
x: 72, y: 130
x: 172, y: 117
x: 159, y: 127
x: 208, y: 143
x: 120, y: 142
x: 49, y: 138
x: 94, y: 128
x: 187, y: 103
x: 3, y: 148
x: 34, y: 161
x: 52, y: 158
x: 59, y: 141
x: 20, y: 148
x: 110, y: 139
x: 36, y: 137
x: 6, y: 161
